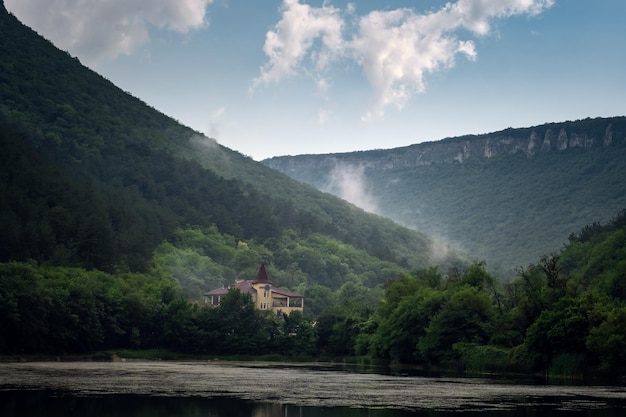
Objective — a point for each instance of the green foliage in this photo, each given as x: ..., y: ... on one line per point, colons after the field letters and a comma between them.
x: 464, y: 317
x: 596, y: 258
x: 561, y: 329
x: 238, y: 327
x: 512, y: 199
x: 550, y: 318
x: 480, y: 359
x: 607, y: 341
x: 424, y: 315
x: 201, y: 259
x: 399, y: 333
x: 68, y: 310
x: 567, y: 366
x: 337, y: 332
x: 298, y: 336
x: 92, y: 177
x: 318, y: 299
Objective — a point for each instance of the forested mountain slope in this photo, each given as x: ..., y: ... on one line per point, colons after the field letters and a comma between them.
x: 507, y: 197
x: 92, y: 177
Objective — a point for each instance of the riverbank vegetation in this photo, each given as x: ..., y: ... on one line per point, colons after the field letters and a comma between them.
x: 564, y: 317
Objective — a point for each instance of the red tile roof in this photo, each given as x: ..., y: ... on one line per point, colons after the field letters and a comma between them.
x: 244, y: 286
x: 247, y: 287
x: 287, y: 293
x: 217, y: 291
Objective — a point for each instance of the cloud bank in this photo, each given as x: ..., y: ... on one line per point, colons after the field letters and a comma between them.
x: 395, y: 48
x: 100, y: 30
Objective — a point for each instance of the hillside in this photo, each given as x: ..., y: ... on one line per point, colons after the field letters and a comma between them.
x: 94, y: 178
x: 507, y: 197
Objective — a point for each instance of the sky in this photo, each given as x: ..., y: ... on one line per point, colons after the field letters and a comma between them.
x: 286, y: 77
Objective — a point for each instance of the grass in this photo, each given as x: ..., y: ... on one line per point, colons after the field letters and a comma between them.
x: 567, y: 367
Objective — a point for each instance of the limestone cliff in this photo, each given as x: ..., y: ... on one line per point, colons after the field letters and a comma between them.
x: 553, y: 137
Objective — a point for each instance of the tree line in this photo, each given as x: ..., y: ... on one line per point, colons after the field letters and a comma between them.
x: 60, y: 310
x: 564, y: 316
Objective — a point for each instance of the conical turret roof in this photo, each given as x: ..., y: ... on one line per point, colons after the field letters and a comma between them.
x: 261, y: 276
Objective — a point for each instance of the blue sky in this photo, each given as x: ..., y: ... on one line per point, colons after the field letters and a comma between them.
x: 269, y: 78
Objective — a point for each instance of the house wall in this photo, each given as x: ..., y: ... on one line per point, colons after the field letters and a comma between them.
x: 263, y: 299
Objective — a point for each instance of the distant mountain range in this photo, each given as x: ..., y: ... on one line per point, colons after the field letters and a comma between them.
x: 506, y: 197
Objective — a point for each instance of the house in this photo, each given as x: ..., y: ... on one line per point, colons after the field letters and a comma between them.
x: 264, y: 294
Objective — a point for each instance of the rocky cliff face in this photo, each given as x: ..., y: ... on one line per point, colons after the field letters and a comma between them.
x: 509, y: 211
x: 553, y: 137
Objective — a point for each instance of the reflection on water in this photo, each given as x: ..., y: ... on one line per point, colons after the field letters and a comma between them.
x: 54, y: 404
x: 190, y: 389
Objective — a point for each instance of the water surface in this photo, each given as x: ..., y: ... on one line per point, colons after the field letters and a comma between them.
x: 138, y: 388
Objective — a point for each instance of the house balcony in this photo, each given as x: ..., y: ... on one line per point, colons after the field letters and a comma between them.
x: 287, y: 302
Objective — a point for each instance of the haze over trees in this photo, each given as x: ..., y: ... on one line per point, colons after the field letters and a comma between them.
x: 505, y: 197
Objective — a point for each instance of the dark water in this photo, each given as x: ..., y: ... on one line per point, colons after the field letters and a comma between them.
x: 209, y: 389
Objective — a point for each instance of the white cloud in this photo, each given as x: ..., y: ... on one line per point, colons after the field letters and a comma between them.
x: 293, y: 37
x: 100, y: 30
x: 395, y: 48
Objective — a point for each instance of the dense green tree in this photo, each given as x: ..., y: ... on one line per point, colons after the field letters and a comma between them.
x: 318, y: 299
x: 299, y: 337
x: 241, y: 328
x: 607, y: 341
x: 399, y: 332
x: 181, y: 332
x: 465, y: 317
x: 561, y: 329
x: 68, y: 310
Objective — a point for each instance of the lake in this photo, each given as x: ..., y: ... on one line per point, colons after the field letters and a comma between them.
x: 229, y: 389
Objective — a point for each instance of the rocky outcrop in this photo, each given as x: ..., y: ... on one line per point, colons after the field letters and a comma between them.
x: 553, y: 137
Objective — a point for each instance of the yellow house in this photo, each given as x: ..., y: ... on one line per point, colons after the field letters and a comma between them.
x: 264, y: 294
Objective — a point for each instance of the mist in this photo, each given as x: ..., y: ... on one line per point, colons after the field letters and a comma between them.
x: 348, y: 182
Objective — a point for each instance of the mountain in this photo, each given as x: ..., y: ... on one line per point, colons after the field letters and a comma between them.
x: 506, y: 197
x: 92, y: 177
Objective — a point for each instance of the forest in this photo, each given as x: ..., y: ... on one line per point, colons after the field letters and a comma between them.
x: 564, y: 316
